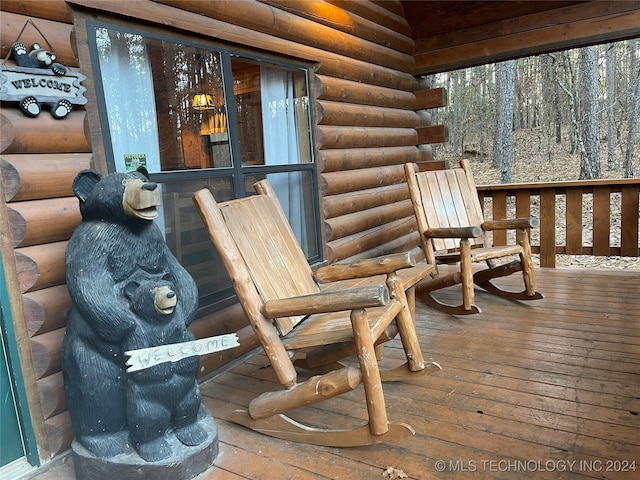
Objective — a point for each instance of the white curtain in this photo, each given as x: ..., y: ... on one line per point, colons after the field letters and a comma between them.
x: 130, y: 100
x: 281, y: 144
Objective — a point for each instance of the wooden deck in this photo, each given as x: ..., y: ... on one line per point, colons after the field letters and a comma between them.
x: 545, y: 389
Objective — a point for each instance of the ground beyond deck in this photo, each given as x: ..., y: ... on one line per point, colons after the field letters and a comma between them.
x: 543, y: 389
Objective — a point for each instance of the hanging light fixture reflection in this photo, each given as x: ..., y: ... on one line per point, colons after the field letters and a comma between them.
x: 203, y: 101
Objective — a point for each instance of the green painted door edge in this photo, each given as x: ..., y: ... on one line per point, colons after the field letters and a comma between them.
x: 15, y: 374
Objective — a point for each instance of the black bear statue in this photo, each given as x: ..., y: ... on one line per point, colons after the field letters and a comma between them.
x: 118, y: 267
x: 163, y: 396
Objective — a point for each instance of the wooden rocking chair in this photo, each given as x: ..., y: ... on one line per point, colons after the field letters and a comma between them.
x: 294, y: 319
x: 453, y: 228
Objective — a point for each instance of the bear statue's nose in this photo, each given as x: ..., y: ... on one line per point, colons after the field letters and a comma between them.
x: 149, y: 185
x: 171, y: 294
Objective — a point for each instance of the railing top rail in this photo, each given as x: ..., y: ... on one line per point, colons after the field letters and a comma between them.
x: 586, y: 184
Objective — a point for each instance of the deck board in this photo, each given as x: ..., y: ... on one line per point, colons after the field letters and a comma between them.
x: 526, y: 389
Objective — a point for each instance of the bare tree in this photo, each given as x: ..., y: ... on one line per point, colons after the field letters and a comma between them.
x: 611, y: 100
x: 550, y: 94
x: 560, y: 92
x: 566, y: 85
x: 503, y: 144
x: 589, y: 118
x: 634, y: 101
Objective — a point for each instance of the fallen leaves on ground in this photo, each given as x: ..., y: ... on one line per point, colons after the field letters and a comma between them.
x: 393, y: 473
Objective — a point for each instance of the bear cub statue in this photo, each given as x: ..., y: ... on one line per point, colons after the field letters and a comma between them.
x: 115, y: 258
x: 166, y: 395
x: 38, y: 57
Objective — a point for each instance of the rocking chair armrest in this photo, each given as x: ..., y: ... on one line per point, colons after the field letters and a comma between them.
x: 453, y: 232
x: 325, y: 302
x: 368, y: 267
x: 511, y: 223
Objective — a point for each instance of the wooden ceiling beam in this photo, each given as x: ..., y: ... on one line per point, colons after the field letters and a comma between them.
x: 569, y: 27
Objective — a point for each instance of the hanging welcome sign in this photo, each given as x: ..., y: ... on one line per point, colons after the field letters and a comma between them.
x: 38, y: 82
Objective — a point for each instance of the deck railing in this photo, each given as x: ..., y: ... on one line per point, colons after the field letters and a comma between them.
x: 590, y: 217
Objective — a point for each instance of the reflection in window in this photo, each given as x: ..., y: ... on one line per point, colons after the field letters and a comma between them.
x: 186, y: 112
x: 272, y: 109
x: 149, y: 89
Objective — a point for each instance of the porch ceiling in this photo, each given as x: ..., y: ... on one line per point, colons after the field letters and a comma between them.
x: 451, y: 35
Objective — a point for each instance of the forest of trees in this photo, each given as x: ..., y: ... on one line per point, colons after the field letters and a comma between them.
x: 583, y: 99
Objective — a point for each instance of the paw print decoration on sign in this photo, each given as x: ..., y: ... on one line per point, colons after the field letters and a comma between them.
x: 38, y: 82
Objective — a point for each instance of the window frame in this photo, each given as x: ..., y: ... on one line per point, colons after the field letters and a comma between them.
x: 237, y: 172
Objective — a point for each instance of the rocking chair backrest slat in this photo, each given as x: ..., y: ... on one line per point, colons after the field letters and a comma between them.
x: 449, y: 199
x: 470, y: 193
x: 277, y: 264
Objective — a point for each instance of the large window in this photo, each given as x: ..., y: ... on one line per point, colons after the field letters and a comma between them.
x: 200, y: 117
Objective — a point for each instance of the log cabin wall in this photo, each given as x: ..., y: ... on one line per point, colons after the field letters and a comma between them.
x: 364, y: 100
x: 39, y: 158
x: 368, y: 123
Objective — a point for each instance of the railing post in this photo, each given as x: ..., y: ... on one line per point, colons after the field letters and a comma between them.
x: 629, y: 221
x: 574, y: 220
x: 499, y: 211
x: 548, y: 228
x: 601, y: 220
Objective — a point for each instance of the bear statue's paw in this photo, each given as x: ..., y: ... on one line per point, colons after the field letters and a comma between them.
x: 61, y: 109
x: 58, y: 69
x: 191, y: 435
x: 19, y: 48
x: 105, y: 445
x: 154, y: 450
x: 30, y: 106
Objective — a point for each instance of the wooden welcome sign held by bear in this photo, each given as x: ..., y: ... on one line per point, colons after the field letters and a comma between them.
x: 130, y: 293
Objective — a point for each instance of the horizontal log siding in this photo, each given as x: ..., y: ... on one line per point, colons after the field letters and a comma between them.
x: 338, y: 18
x: 273, y: 20
x: 58, y: 34
x: 53, y: 136
x: 23, y: 178
x: 341, y: 159
x: 39, y: 158
x: 351, y: 114
x: 386, y: 16
x: 340, y: 90
x: 55, y: 10
x: 40, y: 221
x: 364, y: 134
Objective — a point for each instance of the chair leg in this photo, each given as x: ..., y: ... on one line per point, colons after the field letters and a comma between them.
x: 423, y: 292
x: 406, y: 325
x: 378, y: 421
x: 411, y: 301
x: 466, y: 272
x: 483, y: 278
x: 527, y: 265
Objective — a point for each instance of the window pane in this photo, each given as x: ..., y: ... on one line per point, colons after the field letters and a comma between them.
x: 295, y: 193
x: 165, y: 103
x: 188, y: 239
x: 166, y: 109
x: 273, y: 114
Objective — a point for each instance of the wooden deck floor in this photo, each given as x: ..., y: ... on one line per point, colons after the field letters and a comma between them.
x: 545, y: 389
